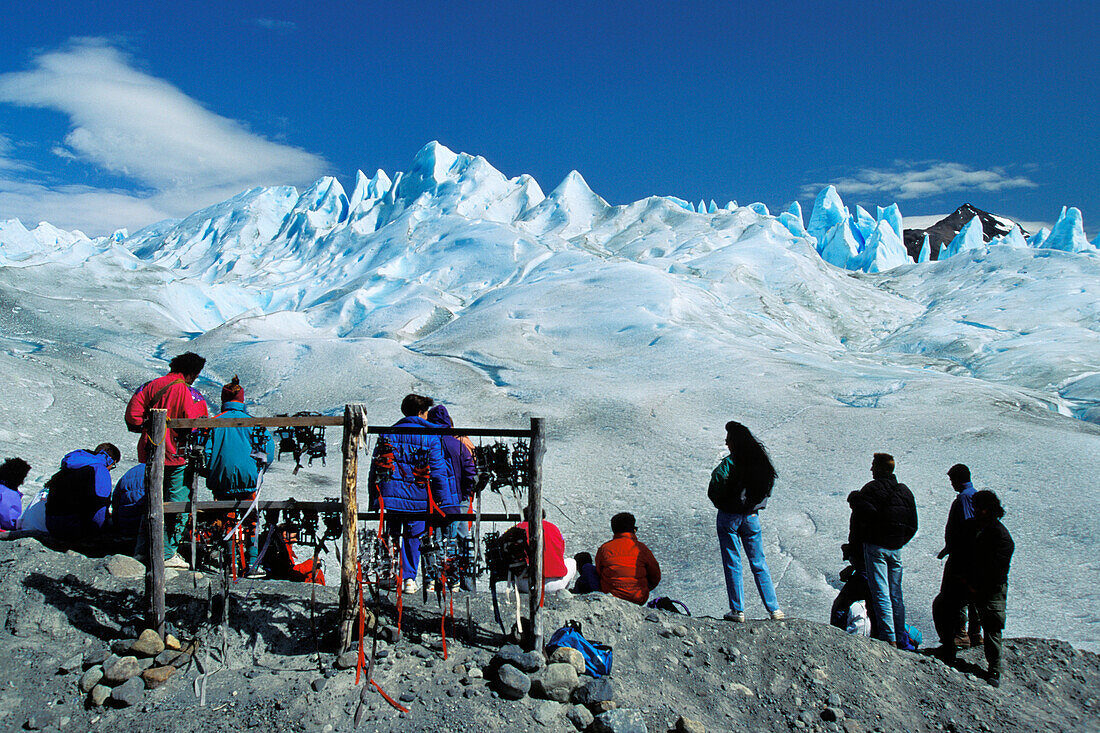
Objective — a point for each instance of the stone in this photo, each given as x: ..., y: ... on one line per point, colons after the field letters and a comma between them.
x: 852, y: 726
x: 146, y: 663
x: 594, y: 691
x: 653, y: 618
x: 512, y: 684
x: 347, y: 660
x: 546, y: 712
x: 475, y: 673
x: 148, y: 644
x: 570, y: 656
x: 833, y: 700
x: 166, y: 657
x: 40, y: 720
x: 620, y: 720
x: 125, y: 668
x: 128, y: 693
x: 171, y: 642
x: 688, y: 725
x: 521, y: 660
x: 182, y: 660
x: 556, y: 682
x: 122, y: 566
x: 71, y: 664
x: 96, y: 658
x: 99, y: 695
x: 832, y: 715
x: 318, y: 684
x: 680, y: 630
x: 121, y: 647
x: 90, y: 679
x: 742, y: 689
x: 390, y: 634
x: 157, y: 676
x: 603, y: 706
x: 580, y: 717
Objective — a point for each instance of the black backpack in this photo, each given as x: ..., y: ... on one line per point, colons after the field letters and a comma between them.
x: 72, y: 493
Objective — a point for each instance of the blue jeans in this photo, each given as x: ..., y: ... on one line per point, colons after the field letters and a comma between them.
x: 410, y: 534
x: 883, y: 568
x: 735, y: 530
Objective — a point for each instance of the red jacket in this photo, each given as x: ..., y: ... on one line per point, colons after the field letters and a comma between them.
x: 179, y: 399
x: 627, y: 568
x: 553, y: 550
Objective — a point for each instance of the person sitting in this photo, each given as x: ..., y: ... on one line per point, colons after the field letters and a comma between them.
x: 626, y: 567
x: 80, y: 493
x: 279, y: 559
x: 128, y: 502
x: 13, y: 473
x: 588, y: 580
x: 558, y: 570
x: 855, y: 589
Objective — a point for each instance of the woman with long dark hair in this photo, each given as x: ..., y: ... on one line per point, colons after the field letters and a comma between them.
x: 739, y: 488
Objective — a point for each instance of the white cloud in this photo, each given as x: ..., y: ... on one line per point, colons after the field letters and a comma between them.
x: 179, y: 155
x: 923, y: 179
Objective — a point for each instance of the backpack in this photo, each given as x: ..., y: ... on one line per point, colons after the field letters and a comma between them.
x: 597, y: 657
x: 71, y: 493
x: 664, y: 603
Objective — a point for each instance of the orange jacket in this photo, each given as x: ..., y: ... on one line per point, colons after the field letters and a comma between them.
x: 175, y: 396
x: 627, y: 568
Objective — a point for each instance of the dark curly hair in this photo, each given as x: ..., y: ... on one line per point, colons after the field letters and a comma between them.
x: 987, y: 501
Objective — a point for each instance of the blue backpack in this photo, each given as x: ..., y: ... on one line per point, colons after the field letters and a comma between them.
x: 597, y: 657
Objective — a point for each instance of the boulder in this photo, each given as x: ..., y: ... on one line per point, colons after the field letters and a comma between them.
x: 569, y: 655
x: 122, y: 566
x: 512, y: 684
x: 521, y: 660
x: 128, y: 693
x: 71, y: 664
x: 157, y: 676
x: 99, y: 695
x: 620, y: 721
x: 171, y: 642
x: 91, y: 678
x: 546, y: 712
x: 348, y: 659
x: 556, y: 682
x: 148, y: 644
x: 580, y: 717
x: 687, y: 725
x: 594, y: 691
x: 125, y: 668
x: 96, y: 658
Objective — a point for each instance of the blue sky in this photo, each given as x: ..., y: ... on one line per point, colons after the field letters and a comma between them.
x: 119, y: 114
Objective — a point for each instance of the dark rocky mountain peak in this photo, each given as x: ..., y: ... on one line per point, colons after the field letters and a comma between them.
x: 943, y: 231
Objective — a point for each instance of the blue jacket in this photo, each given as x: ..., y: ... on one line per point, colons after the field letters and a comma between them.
x: 128, y: 501
x: 463, y: 471
x: 79, y: 495
x: 11, y: 506
x: 405, y: 468
x: 229, y: 459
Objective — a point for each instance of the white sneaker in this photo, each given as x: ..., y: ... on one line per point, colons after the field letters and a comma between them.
x: 430, y: 585
x: 778, y: 615
x: 410, y: 586
x: 176, y: 561
x: 735, y: 616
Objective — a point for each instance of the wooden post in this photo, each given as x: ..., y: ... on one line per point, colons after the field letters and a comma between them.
x: 534, y: 532
x: 355, y: 422
x: 154, y: 517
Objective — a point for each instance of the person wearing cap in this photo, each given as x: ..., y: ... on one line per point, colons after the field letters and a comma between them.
x: 626, y: 567
x: 13, y: 473
x: 234, y: 457
x: 79, y: 493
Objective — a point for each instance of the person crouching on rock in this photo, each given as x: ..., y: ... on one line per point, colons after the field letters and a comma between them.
x: 739, y: 489
x: 626, y: 567
x: 79, y: 493
x: 13, y: 473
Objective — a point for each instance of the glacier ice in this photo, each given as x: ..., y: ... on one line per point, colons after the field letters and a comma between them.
x: 970, y: 237
x: 829, y: 210
x: 1068, y: 233
x: 925, y: 249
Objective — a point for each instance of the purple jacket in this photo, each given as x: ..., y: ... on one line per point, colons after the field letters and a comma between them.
x: 11, y: 506
x: 460, y: 458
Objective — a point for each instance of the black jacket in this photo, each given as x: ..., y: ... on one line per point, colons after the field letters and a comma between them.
x: 885, y: 513
x: 987, y: 569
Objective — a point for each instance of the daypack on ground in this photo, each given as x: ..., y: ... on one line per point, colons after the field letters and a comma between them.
x: 664, y: 603
x: 597, y: 657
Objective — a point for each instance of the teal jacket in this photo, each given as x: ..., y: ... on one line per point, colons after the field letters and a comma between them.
x: 233, y: 470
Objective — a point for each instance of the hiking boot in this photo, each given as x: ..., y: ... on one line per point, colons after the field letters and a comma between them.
x: 410, y: 586
x: 962, y: 640
x: 735, y: 616
x: 177, y: 562
x: 777, y: 615
x: 993, y: 678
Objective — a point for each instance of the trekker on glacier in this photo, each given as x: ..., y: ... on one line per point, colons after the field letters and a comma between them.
x: 172, y: 392
x: 80, y: 493
x: 13, y: 473
x: 739, y: 489
x: 952, y: 607
x: 886, y: 515
x: 408, y: 476
x: 235, y: 459
x: 459, y: 454
x: 987, y: 576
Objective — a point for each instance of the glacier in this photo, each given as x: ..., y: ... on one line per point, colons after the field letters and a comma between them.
x: 636, y: 330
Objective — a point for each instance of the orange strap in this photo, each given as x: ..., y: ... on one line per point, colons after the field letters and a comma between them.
x: 389, y: 699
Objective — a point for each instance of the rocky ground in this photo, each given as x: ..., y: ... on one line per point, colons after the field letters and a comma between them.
x: 64, y: 614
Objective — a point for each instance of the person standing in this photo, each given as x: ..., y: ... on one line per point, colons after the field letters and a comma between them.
x: 234, y: 463
x: 739, y: 488
x: 13, y: 472
x: 408, y: 476
x: 626, y: 567
x: 172, y: 392
x: 949, y: 609
x: 987, y: 576
x: 886, y: 515
x: 458, y: 450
